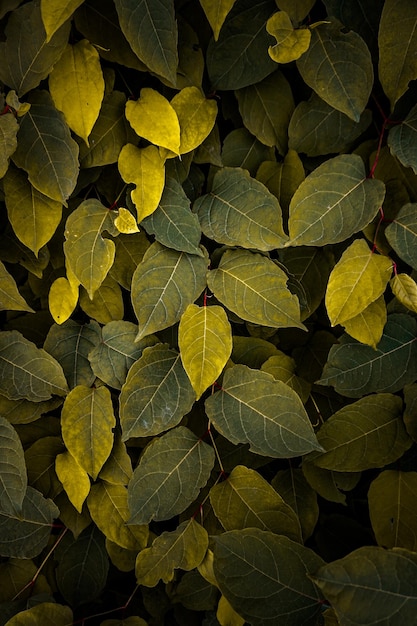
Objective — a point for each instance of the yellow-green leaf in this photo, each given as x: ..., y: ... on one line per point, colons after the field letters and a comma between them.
x: 154, y: 118
x: 291, y: 43
x: 74, y: 479
x: 146, y: 169
x: 45, y: 613
x: 226, y: 615
x: 87, y: 423
x: 294, y: 489
x: 282, y: 367
x: 359, y: 278
x: 117, y: 470
x: 8, y: 140
x: 183, y: 548
x: 125, y: 222
x: 77, y: 87
x: 10, y: 298
x: 282, y: 179
x: 404, y: 289
x: 62, y: 299
x: 55, y: 13
x: 368, y: 326
x: 106, y: 304
x: 216, y: 12
x: 296, y: 9
x: 205, y: 342
x: 196, y: 115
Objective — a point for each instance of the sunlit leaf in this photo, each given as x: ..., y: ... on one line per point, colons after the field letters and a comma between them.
x: 13, y: 479
x: 291, y: 43
x: 368, y: 326
x: 125, y: 222
x: 404, y: 289
x: 154, y: 118
x: 8, y: 140
x: 183, y: 548
x: 216, y: 12
x: 62, y: 299
x: 252, y: 407
x: 402, y: 234
x: 170, y: 474
x: 196, y: 115
x: 10, y: 298
x: 74, y: 479
x: 55, y: 13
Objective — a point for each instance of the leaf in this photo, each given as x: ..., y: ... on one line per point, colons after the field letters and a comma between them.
x: 317, y: 128
x: 46, y: 150
x: 125, y: 222
x: 10, y: 298
x: 354, y: 369
x: 25, y: 535
x: 170, y: 474
x: 296, y: 9
x: 13, y: 479
x: 145, y: 168
x: 402, y: 140
x: 294, y: 489
x: 74, y: 479
x: 129, y: 253
x: 155, y: 119
x: 108, y: 507
x: 265, y: 577
x: 196, y: 115
x: 163, y: 285
x: 410, y: 398
x: 282, y: 179
x: 335, y: 60
x: 382, y: 576
x: 368, y: 326
x: 27, y: 371
x: 156, y: 395
x: 183, y: 548
x: 62, y: 299
x: 107, y: 303
x: 402, y: 234
x: 291, y: 43
x: 246, y: 500
x: 54, y: 14
x: 359, y: 278
x: 205, y: 342
x: 47, y: 613
x: 70, y: 344
x: 366, y: 434
x: 240, y: 211
x: 40, y: 459
x: 216, y: 12
x: 172, y: 222
x: 29, y: 57
x: 335, y: 201
x: 8, y: 140
x: 82, y: 568
x: 77, y: 87
x: 253, y: 408
x: 34, y: 217
x: 151, y: 30
x: 260, y: 113
x: 391, y: 499
x: 242, y: 149
x: 117, y: 470
x: 240, y: 55
x: 282, y: 367
x: 404, y: 289
x: 236, y: 284
x: 87, y: 421
x: 397, y: 39
x: 88, y: 254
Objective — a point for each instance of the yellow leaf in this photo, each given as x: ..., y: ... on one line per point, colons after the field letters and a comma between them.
x: 358, y: 279
x: 196, y: 115
x: 205, y: 342
x: 216, y: 12
x: 62, y: 299
x: 404, y: 289
x: 146, y: 168
x: 55, y: 13
x: 77, y: 87
x: 125, y: 222
x: 291, y: 44
x: 206, y: 568
x: 74, y: 479
x: 10, y: 298
x: 153, y: 118
x: 226, y: 615
x: 368, y: 326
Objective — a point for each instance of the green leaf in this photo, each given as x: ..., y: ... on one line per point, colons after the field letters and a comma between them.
x: 240, y: 211
x: 10, y: 298
x: 109, y: 510
x: 87, y: 421
x: 391, y: 499
x: 156, y: 395
x: 291, y: 43
x: 402, y: 234
x: 130, y: 250
x: 253, y: 408
x: 282, y: 367
x: 410, y: 421
x: 88, y: 254
x: 335, y: 201
x: 371, y: 586
x: 13, y: 479
x: 296, y: 9
x: 46, y: 613
x: 74, y: 479
x: 77, y: 87
x: 40, y: 459
x: 240, y: 55
x: 153, y: 118
x: 27, y: 371
x: 365, y: 434
x: 317, y: 128
x: 354, y: 369
x: 117, y: 470
x: 216, y: 12
x: 294, y: 489
x: 24, y: 411
x: 46, y: 150
x: 196, y: 115
x: 359, y: 278
x: 404, y: 289
x: 183, y: 548
x: 205, y: 342
x: 107, y: 303
x: 55, y: 13
x: 25, y: 535
x: 82, y: 568
x: 246, y: 500
x: 338, y: 67
x: 8, y: 140
x: 28, y: 56
x: 70, y: 344
x: 402, y: 140
x: 282, y: 179
x: 268, y: 302
x: 368, y: 326
x: 151, y: 30
x: 172, y: 223
x: 170, y: 474
x: 397, y: 39
x: 265, y: 577
x: 163, y: 285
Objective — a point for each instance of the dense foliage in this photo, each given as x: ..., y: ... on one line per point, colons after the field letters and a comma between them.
x: 208, y: 355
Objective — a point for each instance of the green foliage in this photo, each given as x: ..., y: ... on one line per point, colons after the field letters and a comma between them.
x: 208, y: 299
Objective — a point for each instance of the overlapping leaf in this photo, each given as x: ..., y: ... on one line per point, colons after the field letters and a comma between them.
x: 291, y: 43
x: 402, y: 140
x: 297, y: 10
x: 368, y: 326
x: 8, y: 140
x: 54, y: 14
x: 117, y: 470
x: 153, y: 118
x: 282, y: 367
x: 40, y: 459
x: 196, y: 115
x: 404, y: 288
x: 13, y: 479
x: 74, y: 479
x: 10, y: 298
x: 402, y: 234
x: 216, y: 13
x: 294, y: 489
x: 282, y: 179
x: 48, y: 613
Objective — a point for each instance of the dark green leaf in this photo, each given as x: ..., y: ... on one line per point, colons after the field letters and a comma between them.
x: 402, y: 234
x: 13, y: 479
